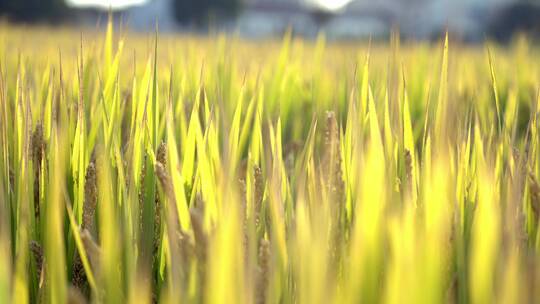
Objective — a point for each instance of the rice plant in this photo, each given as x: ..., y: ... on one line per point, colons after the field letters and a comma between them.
x: 175, y: 169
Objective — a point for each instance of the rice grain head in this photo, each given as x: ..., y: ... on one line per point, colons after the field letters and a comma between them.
x: 37, y: 252
x: 332, y: 159
x: 90, y: 196
x: 534, y: 191
x: 38, y: 155
x: 263, y: 274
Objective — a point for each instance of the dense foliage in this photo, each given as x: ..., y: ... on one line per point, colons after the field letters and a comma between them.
x: 32, y: 10
x: 137, y: 169
x: 200, y: 13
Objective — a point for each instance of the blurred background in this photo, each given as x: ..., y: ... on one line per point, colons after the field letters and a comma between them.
x: 467, y: 20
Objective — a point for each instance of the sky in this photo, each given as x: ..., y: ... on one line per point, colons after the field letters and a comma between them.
x: 331, y: 5
x: 115, y: 4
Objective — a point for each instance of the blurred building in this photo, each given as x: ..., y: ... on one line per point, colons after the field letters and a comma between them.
x: 144, y: 17
x: 423, y: 19
x: 419, y: 19
x: 349, y: 19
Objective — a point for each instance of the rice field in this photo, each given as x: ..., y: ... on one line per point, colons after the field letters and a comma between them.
x: 153, y: 168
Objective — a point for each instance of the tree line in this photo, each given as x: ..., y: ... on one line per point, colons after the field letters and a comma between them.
x: 186, y: 12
